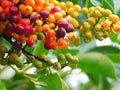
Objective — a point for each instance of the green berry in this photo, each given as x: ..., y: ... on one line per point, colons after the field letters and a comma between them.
x: 61, y: 58
x: 3, y: 61
x: 91, y: 20
x: 13, y: 58
x: 40, y: 36
x: 69, y: 57
x: 57, y: 66
x: 49, y: 62
x: 73, y: 66
x: 95, y: 13
x: 38, y: 64
x: 3, y: 49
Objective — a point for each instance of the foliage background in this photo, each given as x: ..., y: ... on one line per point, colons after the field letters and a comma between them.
x: 101, y: 64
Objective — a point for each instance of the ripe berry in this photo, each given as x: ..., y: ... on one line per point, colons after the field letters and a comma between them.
x: 17, y: 45
x: 15, y: 19
x: 47, y: 45
x: 14, y: 10
x: 61, y: 32
x: 30, y: 43
x: 70, y: 28
x: 3, y: 17
x: 55, y: 9
x: 28, y: 29
x: 10, y: 26
x: 63, y: 23
x: 35, y: 17
x: 19, y: 30
x: 44, y: 14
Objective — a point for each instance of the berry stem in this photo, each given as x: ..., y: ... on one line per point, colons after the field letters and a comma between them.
x: 23, y: 50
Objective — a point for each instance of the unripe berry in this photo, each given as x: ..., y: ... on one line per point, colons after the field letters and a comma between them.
x: 85, y: 10
x: 3, y: 49
x: 69, y: 57
x: 49, y: 62
x: 40, y: 36
x: 95, y: 13
x: 73, y: 66
x: 38, y: 64
x: 2, y: 55
x: 61, y: 58
x: 77, y: 8
x: 86, y: 25
x: 13, y: 58
x: 3, y: 61
x: 107, y: 12
x: 91, y: 20
x: 99, y: 36
x: 57, y: 66
x: 46, y: 70
x: 98, y: 27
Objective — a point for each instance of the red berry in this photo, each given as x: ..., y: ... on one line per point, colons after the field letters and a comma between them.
x: 15, y: 19
x: 63, y: 23
x: 6, y: 4
x: 70, y: 28
x: 25, y: 21
x: 6, y: 11
x: 35, y: 17
x: 44, y: 14
x: 47, y: 45
x: 3, y: 17
x: 14, y: 10
x: 10, y: 26
x: 30, y: 43
x: 20, y: 30
x: 28, y: 29
x: 55, y: 9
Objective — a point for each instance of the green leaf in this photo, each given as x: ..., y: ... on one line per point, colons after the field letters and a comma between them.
x: 39, y: 49
x: 2, y: 86
x: 52, y: 82
x: 105, y: 49
x: 107, y: 5
x: 72, y: 51
x: 96, y: 65
x: 114, y: 57
x: 114, y: 37
x: 64, y: 85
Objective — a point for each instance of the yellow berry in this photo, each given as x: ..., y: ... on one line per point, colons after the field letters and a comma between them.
x: 62, y: 5
x: 70, y: 10
x: 58, y: 15
x: 69, y: 4
x: 85, y: 10
x: 77, y: 8
x: 86, y: 25
x: 106, y: 24
x: 51, y: 19
x: 38, y: 22
x: 91, y: 20
x: 75, y: 15
x: 28, y: 10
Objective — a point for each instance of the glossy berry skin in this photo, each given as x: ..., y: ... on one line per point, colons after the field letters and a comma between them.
x: 10, y: 26
x: 61, y: 32
x: 63, y: 23
x: 3, y: 17
x: 20, y: 30
x: 15, y: 19
x: 28, y: 30
x: 35, y: 17
x: 55, y: 9
x: 47, y: 45
x: 17, y: 45
x: 14, y: 10
x: 70, y: 28
x: 30, y: 43
x: 44, y: 14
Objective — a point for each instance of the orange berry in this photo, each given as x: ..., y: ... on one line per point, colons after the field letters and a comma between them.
x: 46, y: 27
x: 116, y: 28
x: 16, y: 1
x: 22, y: 38
x: 21, y: 7
x: 106, y: 23
x: 114, y: 18
x: 16, y: 36
x: 69, y: 4
x: 37, y: 8
x: 54, y: 45
x: 39, y: 2
x: 30, y: 2
x: 1, y: 9
x: 33, y: 37
x: 62, y: 43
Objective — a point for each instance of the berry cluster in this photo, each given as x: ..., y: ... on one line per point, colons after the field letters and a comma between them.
x: 25, y: 21
x: 100, y: 22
